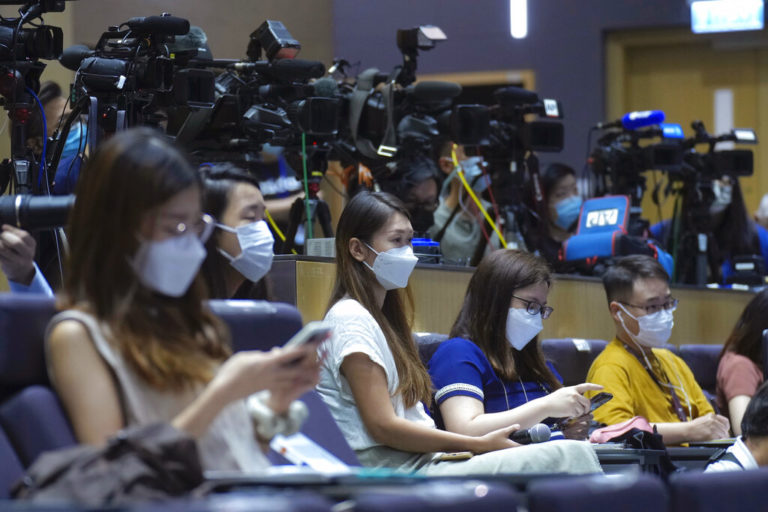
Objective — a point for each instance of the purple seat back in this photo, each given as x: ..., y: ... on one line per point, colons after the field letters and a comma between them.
x: 427, y: 343
x: 10, y: 466
x: 628, y: 493
x: 702, y: 360
x: 35, y: 422
x: 23, y: 319
x: 258, y: 325
x: 572, y: 357
x: 442, y: 496
x: 744, y: 491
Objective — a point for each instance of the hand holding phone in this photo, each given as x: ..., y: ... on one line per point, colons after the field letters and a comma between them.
x: 313, y: 333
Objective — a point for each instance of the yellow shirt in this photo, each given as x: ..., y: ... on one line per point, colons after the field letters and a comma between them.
x: 636, y: 394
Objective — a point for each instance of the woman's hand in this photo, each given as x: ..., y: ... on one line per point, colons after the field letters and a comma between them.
x: 286, y: 372
x: 578, y: 428
x: 308, y: 374
x: 496, y: 440
x: 569, y: 402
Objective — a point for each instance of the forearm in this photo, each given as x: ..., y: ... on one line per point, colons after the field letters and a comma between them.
x: 198, y: 416
x: 525, y: 415
x: 674, y: 433
x: 407, y: 436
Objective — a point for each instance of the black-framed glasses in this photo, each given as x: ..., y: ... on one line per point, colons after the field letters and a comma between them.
x: 671, y: 304
x: 534, y: 308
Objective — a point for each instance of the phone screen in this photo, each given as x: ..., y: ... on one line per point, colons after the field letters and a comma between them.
x: 598, y: 400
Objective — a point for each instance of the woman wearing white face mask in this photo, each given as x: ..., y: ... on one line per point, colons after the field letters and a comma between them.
x: 240, y: 250
x: 491, y: 372
x: 372, y: 378
x: 135, y: 343
x: 734, y: 232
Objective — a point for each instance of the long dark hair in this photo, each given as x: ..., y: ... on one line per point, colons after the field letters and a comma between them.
x: 737, y: 234
x: 218, y: 182
x: 483, y: 316
x: 363, y: 216
x: 169, y: 342
x: 747, y: 335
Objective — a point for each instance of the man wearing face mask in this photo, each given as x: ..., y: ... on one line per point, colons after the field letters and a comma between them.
x: 645, y: 379
x: 734, y: 232
x: 458, y: 225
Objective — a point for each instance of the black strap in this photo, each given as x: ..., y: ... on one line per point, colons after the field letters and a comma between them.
x: 676, y: 405
x: 724, y: 454
x: 440, y: 234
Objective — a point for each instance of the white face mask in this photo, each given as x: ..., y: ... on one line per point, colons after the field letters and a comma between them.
x: 655, y: 329
x: 522, y: 327
x: 393, y: 267
x: 256, y: 245
x: 169, y: 266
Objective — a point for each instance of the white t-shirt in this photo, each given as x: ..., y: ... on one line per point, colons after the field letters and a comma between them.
x: 742, y: 454
x: 356, y: 331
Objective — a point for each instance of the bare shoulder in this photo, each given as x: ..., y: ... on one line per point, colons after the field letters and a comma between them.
x: 69, y: 335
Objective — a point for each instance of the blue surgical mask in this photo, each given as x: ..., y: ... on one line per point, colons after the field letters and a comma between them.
x: 76, y: 140
x: 567, y: 211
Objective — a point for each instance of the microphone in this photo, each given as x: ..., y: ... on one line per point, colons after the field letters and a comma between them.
x: 635, y: 120
x: 163, y: 25
x: 434, y: 90
x: 536, y: 434
x: 72, y: 57
x: 515, y: 96
x: 285, y: 69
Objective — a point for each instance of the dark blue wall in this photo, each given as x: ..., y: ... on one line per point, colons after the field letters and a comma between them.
x: 564, y: 45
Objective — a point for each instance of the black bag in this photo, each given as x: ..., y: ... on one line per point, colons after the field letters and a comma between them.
x: 637, y: 438
x: 150, y: 462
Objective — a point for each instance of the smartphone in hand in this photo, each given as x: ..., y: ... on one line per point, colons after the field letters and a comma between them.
x: 598, y: 400
x: 313, y: 333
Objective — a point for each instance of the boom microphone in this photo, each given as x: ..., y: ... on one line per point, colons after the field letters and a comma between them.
x: 285, y: 69
x: 536, y: 434
x: 635, y: 120
x: 515, y: 96
x: 434, y: 90
x: 72, y: 57
x: 163, y: 25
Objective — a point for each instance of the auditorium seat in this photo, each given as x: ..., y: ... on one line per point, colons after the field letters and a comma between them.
x: 35, y: 422
x: 744, y: 491
x: 438, y: 495
x: 428, y: 343
x: 572, y: 357
x: 702, y: 360
x: 258, y: 325
x: 10, y: 466
x: 629, y: 493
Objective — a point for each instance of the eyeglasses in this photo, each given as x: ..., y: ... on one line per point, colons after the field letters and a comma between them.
x: 202, y: 228
x: 413, y: 205
x: 534, y: 308
x: 671, y: 304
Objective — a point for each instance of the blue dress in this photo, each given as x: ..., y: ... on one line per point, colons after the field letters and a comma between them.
x: 459, y: 368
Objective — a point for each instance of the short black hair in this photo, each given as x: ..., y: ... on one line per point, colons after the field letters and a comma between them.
x: 620, y: 278
x: 409, y: 172
x: 755, y: 420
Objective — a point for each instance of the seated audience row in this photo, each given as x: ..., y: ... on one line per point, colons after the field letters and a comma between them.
x: 135, y: 344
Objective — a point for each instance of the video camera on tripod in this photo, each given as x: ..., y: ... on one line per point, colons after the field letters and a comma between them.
x: 21, y: 48
x: 691, y: 240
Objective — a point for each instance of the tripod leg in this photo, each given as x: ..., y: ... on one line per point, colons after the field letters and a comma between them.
x: 295, y: 217
x: 324, y: 217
